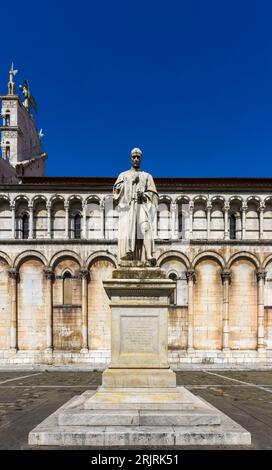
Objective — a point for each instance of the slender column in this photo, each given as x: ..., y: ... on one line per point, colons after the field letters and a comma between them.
x: 12, y: 206
x: 261, y: 212
x: 209, y: 208
x: 261, y: 275
x: 173, y: 220
x: 226, y: 219
x: 102, y: 214
x: 49, y: 224
x: 84, y: 273
x: 30, y: 208
x: 190, y: 275
x: 49, y: 275
x: 84, y: 219
x: 244, y: 209
x: 13, y: 274
x: 226, y: 279
x: 66, y: 207
x: 191, y: 212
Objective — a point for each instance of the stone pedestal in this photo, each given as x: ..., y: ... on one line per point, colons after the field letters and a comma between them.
x: 138, y: 402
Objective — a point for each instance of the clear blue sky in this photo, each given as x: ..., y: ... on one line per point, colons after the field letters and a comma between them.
x: 190, y: 82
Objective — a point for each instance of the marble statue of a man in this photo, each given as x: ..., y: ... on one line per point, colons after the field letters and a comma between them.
x: 137, y: 198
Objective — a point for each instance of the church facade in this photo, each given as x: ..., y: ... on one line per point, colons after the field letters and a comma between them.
x: 58, y: 242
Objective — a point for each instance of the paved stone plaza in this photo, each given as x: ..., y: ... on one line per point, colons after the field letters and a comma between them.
x: 28, y: 397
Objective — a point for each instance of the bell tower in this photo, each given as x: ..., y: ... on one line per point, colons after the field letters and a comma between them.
x: 20, y: 140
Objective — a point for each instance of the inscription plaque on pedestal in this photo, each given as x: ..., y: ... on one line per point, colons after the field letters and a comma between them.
x: 139, y: 334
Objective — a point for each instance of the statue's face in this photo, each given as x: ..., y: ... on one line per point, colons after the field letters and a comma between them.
x: 136, y: 160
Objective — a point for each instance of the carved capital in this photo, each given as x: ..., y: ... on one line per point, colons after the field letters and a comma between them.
x: 190, y: 275
x: 49, y: 274
x: 13, y: 273
x: 226, y: 207
x: 85, y: 273
x: 261, y: 275
x: 226, y: 275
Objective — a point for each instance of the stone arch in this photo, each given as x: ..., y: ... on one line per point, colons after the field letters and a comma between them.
x: 236, y: 198
x: 266, y: 261
x: 253, y: 198
x: 244, y: 255
x: 27, y: 255
x: 65, y: 254
x: 101, y: 255
x: 182, y: 198
x: 174, y: 254
x: 268, y: 198
x: 75, y: 197
x: 218, y: 198
x: 93, y: 198
x: 199, y: 198
x: 6, y: 258
x: 21, y: 197
x: 211, y: 255
x: 55, y: 197
x: 37, y: 198
x: 5, y: 197
x: 165, y: 198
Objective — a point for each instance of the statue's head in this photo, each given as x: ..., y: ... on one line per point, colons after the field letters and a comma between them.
x: 136, y: 157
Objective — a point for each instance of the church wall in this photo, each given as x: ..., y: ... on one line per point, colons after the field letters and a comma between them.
x: 4, y: 305
x: 243, y: 305
x: 268, y: 327
x: 177, y: 328
x: 67, y: 306
x: 178, y: 313
x: 99, y: 317
x: 207, y: 289
x: 31, y: 306
x: 208, y: 303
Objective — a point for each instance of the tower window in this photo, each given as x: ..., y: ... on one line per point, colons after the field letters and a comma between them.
x: 77, y: 226
x: 25, y: 227
x: 232, y: 227
x: 7, y: 120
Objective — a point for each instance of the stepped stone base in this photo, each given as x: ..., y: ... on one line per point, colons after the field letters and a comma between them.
x: 76, y: 424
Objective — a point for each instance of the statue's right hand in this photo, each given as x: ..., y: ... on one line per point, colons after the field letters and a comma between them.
x: 136, y: 180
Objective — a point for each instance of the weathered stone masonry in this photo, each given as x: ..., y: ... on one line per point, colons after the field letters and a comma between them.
x: 53, y: 307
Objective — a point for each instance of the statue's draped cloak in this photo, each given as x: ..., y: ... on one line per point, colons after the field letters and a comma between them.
x: 135, y: 219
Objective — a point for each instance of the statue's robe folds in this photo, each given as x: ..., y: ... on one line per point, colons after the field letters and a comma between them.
x: 136, y: 238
